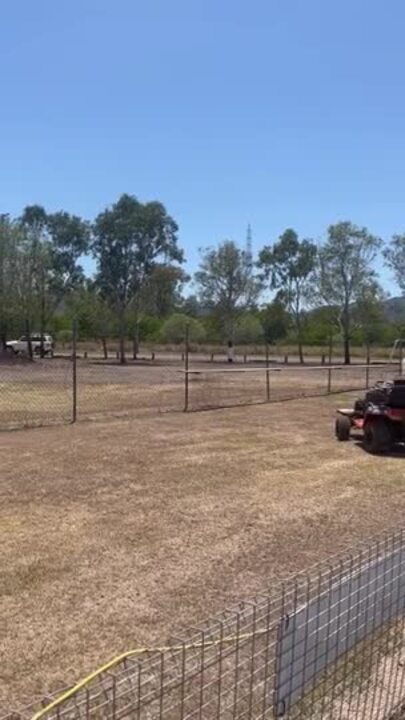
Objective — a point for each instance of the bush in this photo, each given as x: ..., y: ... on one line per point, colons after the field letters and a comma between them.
x: 64, y: 336
x: 275, y: 321
x: 173, y: 329
x: 248, y: 330
x: 149, y: 328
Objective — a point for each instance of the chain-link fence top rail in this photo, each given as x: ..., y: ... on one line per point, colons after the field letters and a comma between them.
x: 327, y: 644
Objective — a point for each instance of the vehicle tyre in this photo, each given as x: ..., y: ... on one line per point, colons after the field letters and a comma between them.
x: 377, y: 437
x: 342, y: 428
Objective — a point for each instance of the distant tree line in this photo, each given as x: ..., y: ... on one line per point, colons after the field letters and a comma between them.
x: 319, y: 292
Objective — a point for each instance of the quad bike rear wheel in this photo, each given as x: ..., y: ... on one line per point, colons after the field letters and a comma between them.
x: 342, y: 428
x: 377, y: 437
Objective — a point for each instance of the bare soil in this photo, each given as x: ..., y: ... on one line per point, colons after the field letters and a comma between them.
x: 114, y: 535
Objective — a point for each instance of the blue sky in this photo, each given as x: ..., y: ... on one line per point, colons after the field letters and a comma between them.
x: 278, y: 113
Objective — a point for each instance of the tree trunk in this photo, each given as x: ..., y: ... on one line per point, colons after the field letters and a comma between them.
x: 122, y: 348
x: 346, y: 347
x: 346, y: 334
x: 42, y: 329
x: 300, y: 350
x: 299, y: 335
x: 28, y: 334
x: 299, y: 338
x: 135, y: 342
x: 122, y: 339
x: 230, y: 351
x: 105, y: 350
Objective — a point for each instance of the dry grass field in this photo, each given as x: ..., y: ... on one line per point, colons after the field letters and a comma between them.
x: 116, y: 534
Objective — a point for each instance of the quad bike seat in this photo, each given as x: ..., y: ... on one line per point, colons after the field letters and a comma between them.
x: 396, y: 396
x: 391, y: 394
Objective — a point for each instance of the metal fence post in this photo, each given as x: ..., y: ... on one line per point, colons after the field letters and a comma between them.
x: 267, y: 374
x: 401, y: 352
x: 186, y: 351
x: 74, y: 372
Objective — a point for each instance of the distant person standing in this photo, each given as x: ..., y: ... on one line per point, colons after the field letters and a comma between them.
x: 231, y: 351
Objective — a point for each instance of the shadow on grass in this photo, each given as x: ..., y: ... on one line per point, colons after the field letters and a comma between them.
x: 397, y: 451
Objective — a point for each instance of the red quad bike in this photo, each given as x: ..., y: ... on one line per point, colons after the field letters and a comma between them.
x: 380, y: 415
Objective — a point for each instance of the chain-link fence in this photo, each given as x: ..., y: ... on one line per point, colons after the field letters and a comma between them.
x: 326, y: 644
x: 60, y: 390
x: 108, y: 390
x: 35, y: 393
x: 233, y: 386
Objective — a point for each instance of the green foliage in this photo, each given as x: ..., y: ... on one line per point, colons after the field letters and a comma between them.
x: 137, y: 291
x: 248, y: 330
x: 289, y: 265
x: 174, y: 329
x: 94, y: 317
x: 54, y: 243
x: 149, y: 328
x: 345, y: 273
x: 395, y: 259
x: 128, y: 240
x: 161, y: 294
x: 59, y: 323
x: 275, y: 321
x: 368, y: 315
x: 9, y: 310
x: 320, y: 326
x: 213, y: 328
x: 64, y: 336
x: 226, y: 283
x: 190, y: 306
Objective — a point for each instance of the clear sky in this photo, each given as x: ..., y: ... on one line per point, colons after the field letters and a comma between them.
x: 274, y: 112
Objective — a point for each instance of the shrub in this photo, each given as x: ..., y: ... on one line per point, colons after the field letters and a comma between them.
x: 174, y: 329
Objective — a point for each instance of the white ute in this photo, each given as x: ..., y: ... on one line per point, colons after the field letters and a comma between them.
x: 21, y: 346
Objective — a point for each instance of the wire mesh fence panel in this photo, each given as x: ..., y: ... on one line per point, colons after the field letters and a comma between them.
x: 41, y: 392
x: 113, y: 390
x: 210, y: 389
x: 35, y: 393
x: 327, y: 644
x: 290, y: 383
x: 358, y: 378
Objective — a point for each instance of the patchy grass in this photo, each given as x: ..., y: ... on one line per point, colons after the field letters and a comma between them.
x: 114, y: 535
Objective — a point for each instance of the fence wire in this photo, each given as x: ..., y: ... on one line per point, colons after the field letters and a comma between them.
x: 41, y: 392
x: 35, y: 393
x: 326, y: 644
x: 232, y: 387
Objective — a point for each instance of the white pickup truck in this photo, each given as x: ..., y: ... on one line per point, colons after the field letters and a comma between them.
x: 21, y: 346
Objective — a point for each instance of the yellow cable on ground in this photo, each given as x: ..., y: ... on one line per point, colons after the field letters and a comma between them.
x: 131, y: 653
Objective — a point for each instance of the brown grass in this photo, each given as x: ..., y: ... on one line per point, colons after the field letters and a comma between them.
x: 114, y: 535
